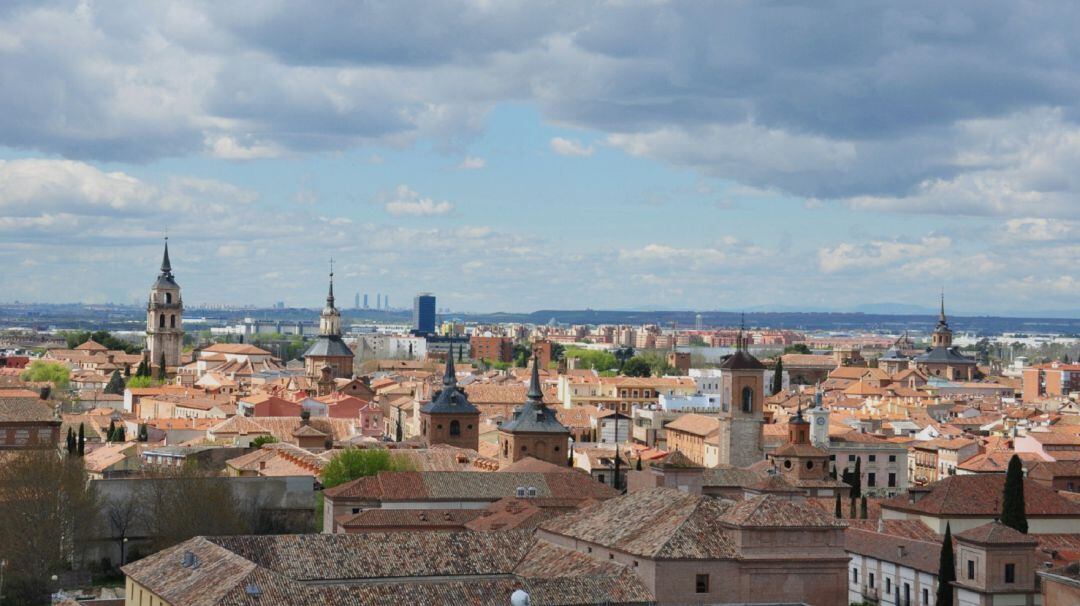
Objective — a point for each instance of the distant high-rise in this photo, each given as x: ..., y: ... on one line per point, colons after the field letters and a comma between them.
x: 424, y: 313
x: 698, y: 322
x: 365, y: 301
x: 356, y: 301
x: 378, y: 300
x: 386, y: 302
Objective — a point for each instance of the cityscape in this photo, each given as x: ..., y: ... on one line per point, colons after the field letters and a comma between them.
x: 539, y: 304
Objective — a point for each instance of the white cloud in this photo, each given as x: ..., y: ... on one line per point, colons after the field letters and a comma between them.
x: 405, y: 201
x: 570, y: 147
x: 228, y: 148
x: 1041, y: 230
x: 472, y: 163
x: 882, y: 253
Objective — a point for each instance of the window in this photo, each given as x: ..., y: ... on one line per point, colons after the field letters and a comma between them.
x: 1010, y: 573
x: 356, y: 510
x: 907, y: 593
x: 455, y: 428
x: 506, y: 448
x: 871, y: 479
x: 854, y: 575
x: 172, y: 321
x: 892, y: 458
x: 892, y: 480
x: 600, y: 477
x: 161, y: 321
x: 873, y: 458
x: 701, y: 583
x: 787, y: 464
x: 871, y: 580
x: 809, y: 464
x: 971, y: 569
x: 851, y: 457
x: 747, y: 399
x: 168, y: 297
x: 925, y: 596
x: 888, y: 585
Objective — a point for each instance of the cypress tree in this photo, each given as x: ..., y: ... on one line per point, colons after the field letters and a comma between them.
x: 127, y: 371
x: 116, y: 384
x: 639, y: 463
x: 111, y: 431
x: 1012, y: 502
x: 120, y: 435
x: 862, y: 507
x: 81, y: 446
x: 71, y: 444
x: 838, y: 512
x: 851, y: 508
x: 144, y: 433
x: 161, y: 366
x: 856, y: 479
x: 946, y: 571
x: 778, y: 376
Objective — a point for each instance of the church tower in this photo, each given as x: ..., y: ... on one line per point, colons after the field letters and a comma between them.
x: 942, y: 336
x: 535, y: 431
x: 329, y: 357
x: 449, y: 418
x: 743, y: 407
x: 819, y: 423
x: 164, y: 314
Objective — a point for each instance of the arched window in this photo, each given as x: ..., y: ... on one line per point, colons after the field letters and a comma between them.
x: 161, y: 321
x: 506, y: 448
x: 747, y: 399
x: 172, y: 321
x: 455, y: 428
x: 168, y: 297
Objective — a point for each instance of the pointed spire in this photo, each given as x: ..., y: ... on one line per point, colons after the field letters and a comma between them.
x: 330, y: 294
x: 818, y: 396
x: 166, y: 266
x: 941, y: 318
x: 450, y: 378
x: 742, y: 326
x: 535, y: 394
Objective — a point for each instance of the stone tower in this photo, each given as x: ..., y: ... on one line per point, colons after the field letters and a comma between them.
x: 743, y: 408
x: 164, y: 315
x: 449, y: 418
x: 819, y: 423
x: 534, y: 431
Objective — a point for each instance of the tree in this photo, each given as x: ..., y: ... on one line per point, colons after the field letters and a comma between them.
x: 41, y: 371
x: 851, y: 507
x: 856, y: 479
x: 636, y: 367
x: 49, y: 511
x: 81, y: 446
x: 139, y: 381
x: 120, y: 435
x: 127, y: 371
x: 778, y: 376
x: 521, y: 355
x: 72, y: 443
x: 112, y: 430
x: 161, y: 366
x: 592, y: 359
x: 144, y: 433
x: 260, y: 441
x: 116, y: 384
x: 623, y: 355
x: 862, y: 507
x: 946, y: 571
x: 838, y: 513
x: 143, y: 370
x: 77, y: 338
x: 1013, y: 513
x: 799, y: 348
x: 175, y: 502
x: 356, y: 463
x: 639, y: 463
x: 558, y: 351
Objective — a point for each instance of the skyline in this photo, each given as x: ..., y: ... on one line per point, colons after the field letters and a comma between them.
x: 599, y: 156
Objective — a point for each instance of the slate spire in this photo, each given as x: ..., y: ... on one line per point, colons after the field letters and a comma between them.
x: 166, y: 266
x: 535, y: 394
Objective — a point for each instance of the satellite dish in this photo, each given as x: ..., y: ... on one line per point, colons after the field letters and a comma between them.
x: 520, y: 598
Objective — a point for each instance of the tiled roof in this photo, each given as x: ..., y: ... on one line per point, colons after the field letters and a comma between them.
x: 766, y: 511
x: 25, y: 410
x: 742, y: 360
x: 995, y: 533
x: 659, y: 523
x: 467, y: 486
x: 980, y: 495
x: 693, y: 423
x: 417, y: 518
x: 235, y: 348
x: 920, y: 555
x: 473, y: 568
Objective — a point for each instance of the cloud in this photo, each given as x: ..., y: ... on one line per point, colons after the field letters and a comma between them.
x: 570, y: 147
x: 405, y: 201
x: 472, y: 163
x: 880, y: 253
x: 1041, y: 230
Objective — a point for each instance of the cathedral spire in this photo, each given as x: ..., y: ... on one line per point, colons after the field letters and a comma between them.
x: 166, y: 266
x: 535, y: 394
x: 941, y: 317
x: 450, y: 378
x: 330, y: 295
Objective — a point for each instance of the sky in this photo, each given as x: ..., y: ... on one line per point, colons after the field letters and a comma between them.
x: 514, y: 156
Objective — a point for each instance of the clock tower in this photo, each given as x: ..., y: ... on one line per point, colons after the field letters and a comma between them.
x: 819, y: 423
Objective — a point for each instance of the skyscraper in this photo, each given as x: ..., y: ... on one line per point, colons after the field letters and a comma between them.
x: 424, y: 313
x: 378, y: 300
x: 365, y: 301
x: 356, y: 301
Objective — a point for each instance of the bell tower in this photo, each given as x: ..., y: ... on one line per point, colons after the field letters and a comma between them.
x: 164, y: 316
x: 942, y: 336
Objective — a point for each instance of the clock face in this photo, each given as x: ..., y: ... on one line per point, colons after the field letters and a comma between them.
x: 820, y: 421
